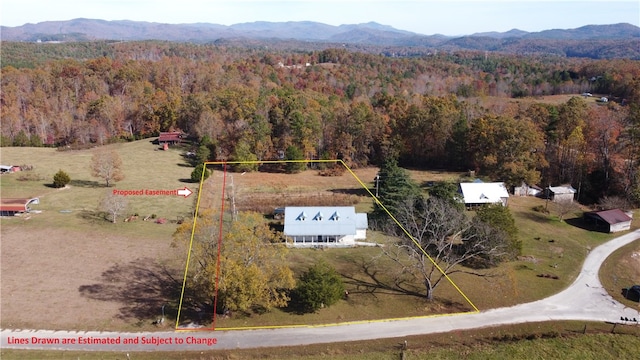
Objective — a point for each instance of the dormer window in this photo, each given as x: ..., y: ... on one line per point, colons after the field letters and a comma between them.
x: 318, y: 217
x: 335, y: 216
x: 302, y: 216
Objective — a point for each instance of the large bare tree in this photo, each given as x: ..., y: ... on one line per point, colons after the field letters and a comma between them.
x: 437, y: 240
x: 114, y: 205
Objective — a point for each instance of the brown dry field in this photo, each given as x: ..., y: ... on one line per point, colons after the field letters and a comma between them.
x: 89, y: 277
x: 84, y: 280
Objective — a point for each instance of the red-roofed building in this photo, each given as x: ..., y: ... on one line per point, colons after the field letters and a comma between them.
x: 171, y: 138
x: 613, y: 220
x: 13, y: 206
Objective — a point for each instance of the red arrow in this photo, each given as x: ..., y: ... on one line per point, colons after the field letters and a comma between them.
x: 184, y: 192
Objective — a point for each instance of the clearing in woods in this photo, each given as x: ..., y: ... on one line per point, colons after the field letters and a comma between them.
x: 226, y: 191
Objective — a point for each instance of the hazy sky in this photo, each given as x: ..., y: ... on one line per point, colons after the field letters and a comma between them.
x: 451, y: 17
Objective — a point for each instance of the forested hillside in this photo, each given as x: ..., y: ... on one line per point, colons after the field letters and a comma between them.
x: 452, y: 110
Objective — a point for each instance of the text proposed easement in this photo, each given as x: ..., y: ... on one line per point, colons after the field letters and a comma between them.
x: 151, y: 192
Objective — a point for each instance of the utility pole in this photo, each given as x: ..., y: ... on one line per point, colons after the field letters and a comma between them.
x: 546, y: 203
x: 377, y: 184
x: 233, y: 200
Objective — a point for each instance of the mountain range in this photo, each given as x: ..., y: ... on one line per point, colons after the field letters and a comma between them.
x: 617, y: 40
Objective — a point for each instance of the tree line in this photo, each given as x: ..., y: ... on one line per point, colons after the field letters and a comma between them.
x: 437, y: 110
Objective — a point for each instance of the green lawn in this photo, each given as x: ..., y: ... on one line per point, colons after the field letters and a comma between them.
x: 550, y: 340
x: 622, y: 270
x: 144, y: 167
x: 550, y: 247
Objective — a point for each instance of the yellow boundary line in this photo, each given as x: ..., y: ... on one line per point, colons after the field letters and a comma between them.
x: 416, y: 243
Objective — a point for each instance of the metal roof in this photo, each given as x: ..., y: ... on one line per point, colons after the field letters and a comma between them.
x: 170, y: 136
x: 565, y: 189
x: 483, y: 193
x: 17, y: 204
x: 323, y: 220
x: 611, y: 217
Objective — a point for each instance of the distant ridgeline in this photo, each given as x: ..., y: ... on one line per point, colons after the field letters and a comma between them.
x: 591, y: 41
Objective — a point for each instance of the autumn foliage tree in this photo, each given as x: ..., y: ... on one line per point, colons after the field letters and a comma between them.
x: 507, y: 149
x: 251, y: 271
x: 428, y: 111
x: 107, y: 166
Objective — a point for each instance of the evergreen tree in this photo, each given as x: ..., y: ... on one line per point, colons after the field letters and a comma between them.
x: 61, y: 179
x: 35, y: 141
x: 294, y: 153
x: 242, y: 152
x: 393, y: 188
x: 447, y: 191
x: 202, y: 155
x: 500, y: 218
x: 21, y: 139
x: 196, y: 174
x: 5, y: 141
x: 319, y: 286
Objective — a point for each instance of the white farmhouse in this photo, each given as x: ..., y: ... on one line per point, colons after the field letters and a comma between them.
x: 481, y: 193
x: 332, y: 226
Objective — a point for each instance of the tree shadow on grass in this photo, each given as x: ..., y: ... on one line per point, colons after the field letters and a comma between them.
x: 142, y: 287
x: 358, y: 191
x: 538, y: 217
x: 86, y: 183
x: 295, y: 307
x: 94, y: 216
x: 580, y: 223
x: 373, y: 284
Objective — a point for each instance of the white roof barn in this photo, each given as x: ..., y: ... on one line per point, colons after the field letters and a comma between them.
x: 480, y: 193
x: 324, y: 225
x: 561, y: 193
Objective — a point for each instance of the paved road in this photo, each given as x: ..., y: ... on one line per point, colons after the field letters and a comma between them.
x: 585, y: 299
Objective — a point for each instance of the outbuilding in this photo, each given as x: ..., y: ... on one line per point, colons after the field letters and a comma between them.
x: 9, y: 168
x: 610, y: 221
x: 332, y: 226
x: 561, y: 193
x: 632, y: 293
x: 170, y: 138
x: 527, y: 190
x: 16, y: 206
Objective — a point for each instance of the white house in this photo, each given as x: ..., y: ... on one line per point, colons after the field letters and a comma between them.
x: 324, y: 225
x: 481, y: 193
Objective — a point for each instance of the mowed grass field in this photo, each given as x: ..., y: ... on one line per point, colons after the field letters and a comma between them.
x: 549, y: 340
x: 144, y: 167
x: 622, y: 270
x: 551, y: 248
x: 66, y: 269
